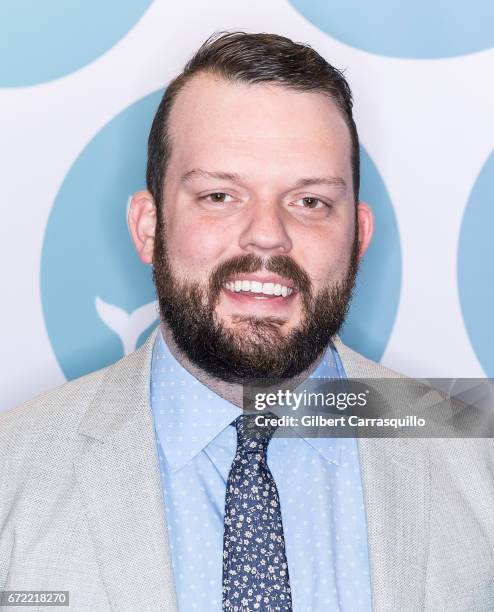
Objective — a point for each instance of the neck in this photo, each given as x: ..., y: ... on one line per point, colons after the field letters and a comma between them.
x: 232, y: 392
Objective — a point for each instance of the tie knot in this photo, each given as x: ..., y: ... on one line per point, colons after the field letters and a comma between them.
x: 253, y: 438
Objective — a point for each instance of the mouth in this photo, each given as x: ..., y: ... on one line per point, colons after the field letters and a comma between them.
x: 271, y: 292
x: 254, y: 288
x: 261, y: 295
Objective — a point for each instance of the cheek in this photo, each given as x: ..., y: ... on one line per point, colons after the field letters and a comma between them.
x: 195, y: 247
x: 326, y: 256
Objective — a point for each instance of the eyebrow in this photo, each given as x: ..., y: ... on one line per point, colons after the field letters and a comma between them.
x: 197, y: 172
x: 330, y: 181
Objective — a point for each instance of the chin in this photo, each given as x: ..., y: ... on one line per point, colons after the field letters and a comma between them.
x: 230, y: 319
x: 250, y: 323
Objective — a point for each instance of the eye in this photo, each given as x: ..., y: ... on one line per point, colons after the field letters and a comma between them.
x: 310, y: 202
x: 218, y: 197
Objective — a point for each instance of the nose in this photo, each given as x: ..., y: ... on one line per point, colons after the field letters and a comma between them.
x: 265, y: 232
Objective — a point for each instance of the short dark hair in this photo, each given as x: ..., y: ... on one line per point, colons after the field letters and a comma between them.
x: 252, y: 58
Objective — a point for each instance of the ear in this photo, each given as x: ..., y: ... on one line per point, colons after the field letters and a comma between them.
x: 142, y: 224
x: 365, y: 220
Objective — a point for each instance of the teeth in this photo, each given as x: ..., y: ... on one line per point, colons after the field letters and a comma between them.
x: 257, y: 287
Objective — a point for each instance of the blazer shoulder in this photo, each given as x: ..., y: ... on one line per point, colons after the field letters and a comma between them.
x: 476, y: 454
x: 63, y: 407
x: 358, y: 366
x: 52, y: 409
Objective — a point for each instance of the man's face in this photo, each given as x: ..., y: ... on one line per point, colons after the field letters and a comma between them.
x: 258, y: 231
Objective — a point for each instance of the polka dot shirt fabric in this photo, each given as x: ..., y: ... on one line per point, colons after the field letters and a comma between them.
x: 319, y: 486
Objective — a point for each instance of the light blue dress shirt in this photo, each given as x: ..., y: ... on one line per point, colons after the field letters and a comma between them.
x: 319, y: 485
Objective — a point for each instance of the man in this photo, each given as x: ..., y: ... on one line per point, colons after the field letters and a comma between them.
x: 143, y: 486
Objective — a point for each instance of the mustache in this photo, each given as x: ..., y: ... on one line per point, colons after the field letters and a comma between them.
x: 283, y: 265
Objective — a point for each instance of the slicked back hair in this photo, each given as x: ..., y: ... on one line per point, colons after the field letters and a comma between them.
x: 251, y: 59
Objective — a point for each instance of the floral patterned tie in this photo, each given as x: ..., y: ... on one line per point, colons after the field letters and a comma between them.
x: 255, y: 568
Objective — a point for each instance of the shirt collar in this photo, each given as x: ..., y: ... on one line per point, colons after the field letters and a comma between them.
x: 330, y: 366
x: 188, y: 415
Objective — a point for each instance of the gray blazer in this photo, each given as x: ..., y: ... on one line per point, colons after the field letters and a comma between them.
x: 81, y: 506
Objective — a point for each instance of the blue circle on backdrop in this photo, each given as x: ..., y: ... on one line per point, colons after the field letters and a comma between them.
x: 475, y: 257
x: 377, y: 293
x: 96, y: 293
x: 97, y: 296
x: 419, y: 29
x: 47, y: 39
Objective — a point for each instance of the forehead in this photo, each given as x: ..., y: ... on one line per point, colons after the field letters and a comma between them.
x: 214, y: 120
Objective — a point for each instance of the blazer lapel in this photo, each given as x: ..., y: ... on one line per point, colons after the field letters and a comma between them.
x: 119, y: 480
x: 396, y: 482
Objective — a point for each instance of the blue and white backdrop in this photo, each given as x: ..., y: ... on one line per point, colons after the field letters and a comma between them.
x: 79, y: 83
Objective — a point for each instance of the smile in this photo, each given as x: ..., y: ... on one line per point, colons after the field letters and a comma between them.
x: 246, y: 286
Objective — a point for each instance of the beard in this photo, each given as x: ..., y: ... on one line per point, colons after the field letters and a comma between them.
x: 258, y: 350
